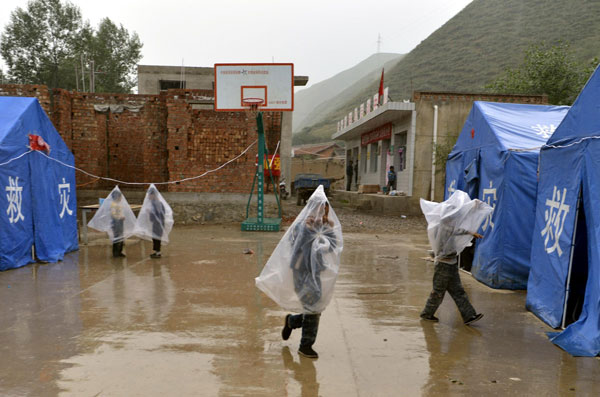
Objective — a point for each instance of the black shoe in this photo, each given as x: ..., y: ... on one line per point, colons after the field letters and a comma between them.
x: 122, y: 255
x: 307, y: 351
x: 287, y: 330
x: 430, y: 318
x: 155, y: 255
x: 476, y: 317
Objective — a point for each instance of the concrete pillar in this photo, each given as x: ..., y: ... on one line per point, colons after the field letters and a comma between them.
x: 286, y: 148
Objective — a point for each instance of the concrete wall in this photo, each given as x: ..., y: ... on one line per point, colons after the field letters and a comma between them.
x: 196, y: 78
x: 192, y: 208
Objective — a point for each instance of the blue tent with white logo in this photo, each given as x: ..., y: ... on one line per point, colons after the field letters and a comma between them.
x: 38, y: 205
x: 495, y: 160
x: 564, y: 283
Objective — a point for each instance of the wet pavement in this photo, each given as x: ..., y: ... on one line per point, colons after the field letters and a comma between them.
x: 193, y: 324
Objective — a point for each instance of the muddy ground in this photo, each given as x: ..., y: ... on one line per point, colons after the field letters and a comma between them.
x: 193, y: 324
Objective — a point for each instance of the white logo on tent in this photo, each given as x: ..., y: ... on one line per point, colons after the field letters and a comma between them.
x: 555, y: 216
x: 489, y: 196
x: 14, y: 197
x: 64, y: 189
x: 452, y: 187
x: 544, y: 130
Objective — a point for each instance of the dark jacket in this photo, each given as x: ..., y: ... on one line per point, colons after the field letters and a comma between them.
x: 307, y: 264
x: 157, y: 217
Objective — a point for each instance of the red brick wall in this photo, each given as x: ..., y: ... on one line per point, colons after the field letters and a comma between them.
x: 165, y: 140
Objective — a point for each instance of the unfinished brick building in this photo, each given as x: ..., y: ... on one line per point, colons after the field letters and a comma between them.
x: 154, y: 138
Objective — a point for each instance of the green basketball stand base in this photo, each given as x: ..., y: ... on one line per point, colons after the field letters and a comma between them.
x: 267, y: 225
x: 260, y: 223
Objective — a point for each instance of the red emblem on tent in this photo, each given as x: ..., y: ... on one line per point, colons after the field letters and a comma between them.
x: 36, y: 142
x: 472, y: 133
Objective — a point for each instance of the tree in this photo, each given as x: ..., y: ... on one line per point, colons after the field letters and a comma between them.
x: 550, y: 70
x: 115, y: 54
x: 39, y: 43
x: 48, y: 43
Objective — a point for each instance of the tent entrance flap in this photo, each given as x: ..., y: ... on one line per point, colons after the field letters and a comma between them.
x: 578, y: 268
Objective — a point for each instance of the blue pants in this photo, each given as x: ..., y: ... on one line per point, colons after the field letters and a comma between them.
x: 309, y: 324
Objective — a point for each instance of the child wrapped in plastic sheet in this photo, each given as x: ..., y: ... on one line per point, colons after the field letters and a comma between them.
x: 300, y: 275
x: 451, y: 225
x: 155, y: 220
x: 116, y: 218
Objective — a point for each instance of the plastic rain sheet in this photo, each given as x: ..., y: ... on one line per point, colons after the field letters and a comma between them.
x: 450, y: 222
x: 300, y: 275
x: 114, y: 217
x: 155, y: 219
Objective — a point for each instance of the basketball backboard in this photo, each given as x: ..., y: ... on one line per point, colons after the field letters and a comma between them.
x: 271, y: 85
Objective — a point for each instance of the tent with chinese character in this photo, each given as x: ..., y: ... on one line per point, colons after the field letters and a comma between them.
x: 38, y: 203
x: 495, y: 160
x: 564, y: 282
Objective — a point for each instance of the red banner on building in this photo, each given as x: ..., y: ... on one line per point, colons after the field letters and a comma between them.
x: 379, y: 133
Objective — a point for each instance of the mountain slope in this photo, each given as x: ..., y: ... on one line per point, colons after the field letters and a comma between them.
x: 309, y: 99
x: 475, y: 46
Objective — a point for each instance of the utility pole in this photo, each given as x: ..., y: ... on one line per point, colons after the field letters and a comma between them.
x: 82, y: 75
x: 76, y: 79
x: 379, y: 43
x: 92, y: 77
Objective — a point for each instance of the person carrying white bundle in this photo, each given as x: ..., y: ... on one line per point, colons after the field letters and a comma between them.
x: 155, y: 220
x: 451, y: 225
x: 116, y: 218
x: 300, y: 275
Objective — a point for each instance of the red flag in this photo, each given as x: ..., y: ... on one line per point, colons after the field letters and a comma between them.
x: 381, y: 89
x: 36, y: 142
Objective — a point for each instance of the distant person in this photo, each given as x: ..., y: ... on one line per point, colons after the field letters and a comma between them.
x: 300, y: 275
x: 391, y: 177
x: 349, y: 171
x: 450, y: 229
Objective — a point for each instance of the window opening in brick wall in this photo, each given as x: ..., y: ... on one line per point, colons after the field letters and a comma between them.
x: 170, y: 84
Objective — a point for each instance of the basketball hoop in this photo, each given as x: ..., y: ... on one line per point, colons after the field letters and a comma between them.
x: 251, y: 105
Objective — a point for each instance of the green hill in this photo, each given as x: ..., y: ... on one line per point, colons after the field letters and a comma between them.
x: 473, y: 48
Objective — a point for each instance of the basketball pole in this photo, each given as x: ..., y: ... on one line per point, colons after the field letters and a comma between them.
x: 260, y: 223
x: 261, y: 163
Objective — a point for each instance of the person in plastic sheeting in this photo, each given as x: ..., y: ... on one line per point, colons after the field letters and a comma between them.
x: 118, y: 221
x: 448, y: 237
x: 307, y: 266
x: 155, y: 220
x: 301, y: 273
x: 116, y: 218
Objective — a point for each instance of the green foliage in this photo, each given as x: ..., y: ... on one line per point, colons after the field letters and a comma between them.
x: 546, y: 69
x: 443, y: 149
x: 48, y: 42
x: 38, y: 43
x: 115, y: 54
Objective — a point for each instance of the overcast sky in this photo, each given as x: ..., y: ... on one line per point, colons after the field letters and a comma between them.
x: 321, y: 38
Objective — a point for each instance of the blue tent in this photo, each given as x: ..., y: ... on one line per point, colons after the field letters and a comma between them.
x: 495, y: 160
x: 564, y: 284
x: 38, y: 205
